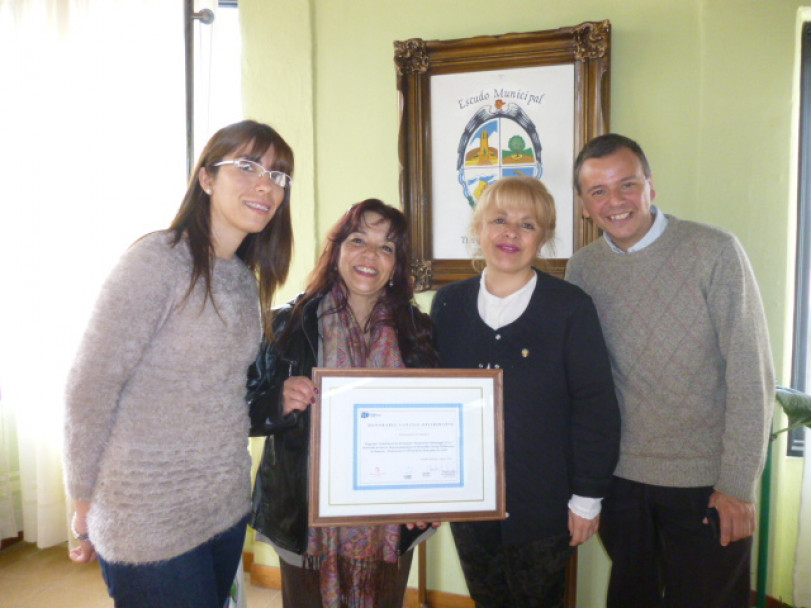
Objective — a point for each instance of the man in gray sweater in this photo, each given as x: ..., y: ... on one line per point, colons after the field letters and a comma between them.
x: 686, y: 332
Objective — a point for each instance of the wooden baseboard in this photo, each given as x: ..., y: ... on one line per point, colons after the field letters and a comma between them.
x: 247, y: 561
x: 770, y: 602
x: 271, y: 577
x: 437, y: 599
x: 264, y: 576
x: 7, y: 542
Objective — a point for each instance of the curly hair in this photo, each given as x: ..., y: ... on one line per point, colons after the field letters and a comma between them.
x: 414, y: 328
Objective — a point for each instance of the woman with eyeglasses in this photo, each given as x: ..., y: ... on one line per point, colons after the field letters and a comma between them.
x: 356, y: 312
x: 156, y: 434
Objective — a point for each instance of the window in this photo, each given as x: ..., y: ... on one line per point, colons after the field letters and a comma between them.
x: 214, y: 72
x: 801, y: 365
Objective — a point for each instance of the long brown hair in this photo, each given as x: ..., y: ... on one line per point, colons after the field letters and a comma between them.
x: 268, y: 252
x: 414, y: 328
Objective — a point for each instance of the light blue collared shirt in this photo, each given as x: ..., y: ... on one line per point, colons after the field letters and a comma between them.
x: 657, y: 228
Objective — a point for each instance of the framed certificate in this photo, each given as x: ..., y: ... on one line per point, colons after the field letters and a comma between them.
x: 406, y: 445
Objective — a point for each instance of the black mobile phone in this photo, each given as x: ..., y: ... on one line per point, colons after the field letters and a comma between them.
x: 714, y: 522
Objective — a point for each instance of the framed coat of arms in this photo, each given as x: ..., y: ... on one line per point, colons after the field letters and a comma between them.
x: 478, y: 109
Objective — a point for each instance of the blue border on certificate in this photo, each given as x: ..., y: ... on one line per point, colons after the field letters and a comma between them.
x: 363, y: 410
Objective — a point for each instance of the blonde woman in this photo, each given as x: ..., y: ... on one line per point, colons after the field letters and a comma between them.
x: 560, y: 410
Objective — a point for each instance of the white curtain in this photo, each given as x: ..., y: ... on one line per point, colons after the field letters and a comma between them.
x: 802, y: 565
x: 92, y: 155
x: 10, y: 503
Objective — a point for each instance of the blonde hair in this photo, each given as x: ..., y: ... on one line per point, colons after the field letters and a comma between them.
x: 522, y: 192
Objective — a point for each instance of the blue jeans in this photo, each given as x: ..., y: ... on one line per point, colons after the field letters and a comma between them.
x: 200, y: 578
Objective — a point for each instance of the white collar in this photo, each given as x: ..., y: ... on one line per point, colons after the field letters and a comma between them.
x: 497, y: 312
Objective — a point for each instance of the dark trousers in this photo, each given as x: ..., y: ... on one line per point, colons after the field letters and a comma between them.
x: 530, y: 575
x: 301, y: 587
x: 663, y: 556
x: 200, y: 578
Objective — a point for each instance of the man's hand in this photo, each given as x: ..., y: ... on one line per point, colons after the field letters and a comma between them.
x: 737, y: 517
x: 581, y: 529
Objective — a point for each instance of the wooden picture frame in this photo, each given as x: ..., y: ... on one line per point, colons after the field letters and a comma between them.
x: 455, y: 94
x: 406, y: 445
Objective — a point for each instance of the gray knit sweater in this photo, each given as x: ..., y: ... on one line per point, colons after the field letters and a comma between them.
x: 685, y: 328
x: 156, y: 422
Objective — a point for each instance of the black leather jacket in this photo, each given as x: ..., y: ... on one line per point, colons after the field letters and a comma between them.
x: 280, y: 495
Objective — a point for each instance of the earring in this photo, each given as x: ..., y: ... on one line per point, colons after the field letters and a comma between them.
x: 391, y: 282
x: 208, y: 192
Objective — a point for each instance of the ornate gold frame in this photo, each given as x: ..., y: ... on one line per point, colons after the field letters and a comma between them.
x: 587, y: 46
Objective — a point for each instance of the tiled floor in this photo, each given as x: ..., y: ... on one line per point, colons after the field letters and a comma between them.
x: 46, y: 578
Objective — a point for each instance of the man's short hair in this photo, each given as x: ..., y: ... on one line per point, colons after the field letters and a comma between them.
x: 605, y: 145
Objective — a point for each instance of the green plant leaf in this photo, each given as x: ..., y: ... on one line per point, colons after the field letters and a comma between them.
x: 796, y: 405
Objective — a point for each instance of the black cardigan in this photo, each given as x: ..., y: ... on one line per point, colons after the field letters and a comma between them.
x: 562, y: 422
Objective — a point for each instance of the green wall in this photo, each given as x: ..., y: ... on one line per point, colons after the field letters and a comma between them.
x: 705, y: 86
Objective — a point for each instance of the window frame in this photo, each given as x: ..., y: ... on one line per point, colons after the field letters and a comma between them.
x: 801, y: 359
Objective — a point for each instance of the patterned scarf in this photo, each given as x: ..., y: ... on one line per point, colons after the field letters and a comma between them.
x: 350, y: 557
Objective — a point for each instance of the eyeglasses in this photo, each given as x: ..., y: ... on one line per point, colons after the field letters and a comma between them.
x: 250, y: 169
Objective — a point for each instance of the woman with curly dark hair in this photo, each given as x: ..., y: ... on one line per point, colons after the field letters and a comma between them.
x: 356, y: 312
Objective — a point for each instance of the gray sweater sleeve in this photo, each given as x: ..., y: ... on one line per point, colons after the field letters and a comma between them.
x: 133, y: 302
x: 736, y: 310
